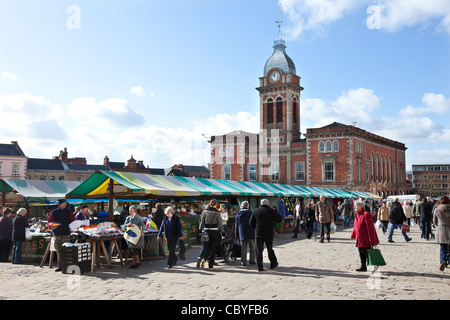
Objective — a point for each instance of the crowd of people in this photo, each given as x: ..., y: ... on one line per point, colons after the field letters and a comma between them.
x: 255, y: 229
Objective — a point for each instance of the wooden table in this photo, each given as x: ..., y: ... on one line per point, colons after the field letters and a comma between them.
x: 98, y: 245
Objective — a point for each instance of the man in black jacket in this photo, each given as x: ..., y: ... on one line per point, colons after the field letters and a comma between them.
x: 396, y: 218
x: 263, y: 221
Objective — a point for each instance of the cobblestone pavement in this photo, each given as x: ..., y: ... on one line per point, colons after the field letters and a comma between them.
x: 307, y: 269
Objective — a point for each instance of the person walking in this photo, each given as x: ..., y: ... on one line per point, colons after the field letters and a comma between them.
x: 173, y: 231
x: 18, y: 235
x: 407, y: 210
x: 310, y: 217
x: 6, y: 229
x: 324, y: 215
x: 441, y: 219
x: 245, y: 234
x: 130, y: 221
x: 211, y: 225
x: 346, y: 211
x: 396, y: 218
x: 298, y: 215
x: 426, y: 216
x: 263, y: 220
x: 383, y: 217
x: 364, y: 232
x: 224, y: 215
x: 62, y: 216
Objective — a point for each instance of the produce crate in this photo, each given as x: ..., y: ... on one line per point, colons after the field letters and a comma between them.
x: 78, y: 254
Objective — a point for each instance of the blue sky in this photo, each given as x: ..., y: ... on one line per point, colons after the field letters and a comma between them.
x: 152, y: 79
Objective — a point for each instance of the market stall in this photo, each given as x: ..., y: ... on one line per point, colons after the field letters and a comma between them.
x: 34, y: 194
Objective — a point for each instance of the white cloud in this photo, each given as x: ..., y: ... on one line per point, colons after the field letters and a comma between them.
x: 432, y: 104
x: 111, y: 113
x: 140, y: 92
x: 354, y: 105
x: 10, y: 76
x: 315, y: 15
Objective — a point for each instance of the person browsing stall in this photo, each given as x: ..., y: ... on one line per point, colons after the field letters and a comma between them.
x: 59, y: 220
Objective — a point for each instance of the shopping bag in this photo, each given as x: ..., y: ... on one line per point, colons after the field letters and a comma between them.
x: 374, y: 257
x: 332, y: 228
x: 132, y: 235
x: 28, y: 236
x: 378, y: 224
x: 412, y: 223
x: 405, y: 228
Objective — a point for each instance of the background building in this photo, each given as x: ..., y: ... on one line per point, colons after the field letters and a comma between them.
x: 13, y: 162
x: 431, y: 180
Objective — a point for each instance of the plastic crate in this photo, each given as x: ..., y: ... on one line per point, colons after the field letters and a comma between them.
x: 76, y: 255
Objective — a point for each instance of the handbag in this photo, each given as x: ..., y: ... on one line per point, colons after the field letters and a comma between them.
x: 375, y: 257
x: 405, y: 228
x: 205, y: 236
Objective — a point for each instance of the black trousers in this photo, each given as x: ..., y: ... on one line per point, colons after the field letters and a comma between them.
x: 326, y: 225
x: 268, y: 241
x: 5, y: 249
x: 209, y: 248
x: 171, y: 244
x: 363, y: 256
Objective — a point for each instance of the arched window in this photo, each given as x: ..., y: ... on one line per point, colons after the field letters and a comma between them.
x: 377, y: 172
x: 294, y: 113
x: 328, y: 146
x: 335, y: 146
x: 270, y: 111
x: 279, y: 110
x: 321, y: 146
x: 372, y: 175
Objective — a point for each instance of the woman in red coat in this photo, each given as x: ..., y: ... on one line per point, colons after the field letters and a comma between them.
x: 364, y: 232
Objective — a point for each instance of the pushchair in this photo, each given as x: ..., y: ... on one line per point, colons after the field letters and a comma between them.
x: 227, y: 249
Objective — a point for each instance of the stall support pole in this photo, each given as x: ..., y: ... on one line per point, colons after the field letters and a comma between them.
x: 111, y: 200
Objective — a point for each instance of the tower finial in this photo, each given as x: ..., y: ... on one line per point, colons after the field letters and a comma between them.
x: 280, y: 22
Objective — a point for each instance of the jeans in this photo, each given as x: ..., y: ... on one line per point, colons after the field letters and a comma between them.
x: 346, y: 221
x: 426, y: 229
x: 17, y: 252
x: 391, y: 231
x: 384, y: 226
x: 444, y: 253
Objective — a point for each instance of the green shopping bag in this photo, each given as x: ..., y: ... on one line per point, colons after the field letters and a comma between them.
x: 374, y: 257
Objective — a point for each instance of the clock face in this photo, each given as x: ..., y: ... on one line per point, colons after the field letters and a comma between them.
x: 274, y: 77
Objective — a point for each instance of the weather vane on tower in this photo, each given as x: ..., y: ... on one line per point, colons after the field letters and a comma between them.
x: 280, y: 22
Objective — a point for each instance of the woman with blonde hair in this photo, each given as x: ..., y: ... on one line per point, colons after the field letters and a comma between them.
x: 173, y: 231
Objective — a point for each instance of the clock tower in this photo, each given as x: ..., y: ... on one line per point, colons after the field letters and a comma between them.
x: 279, y: 94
